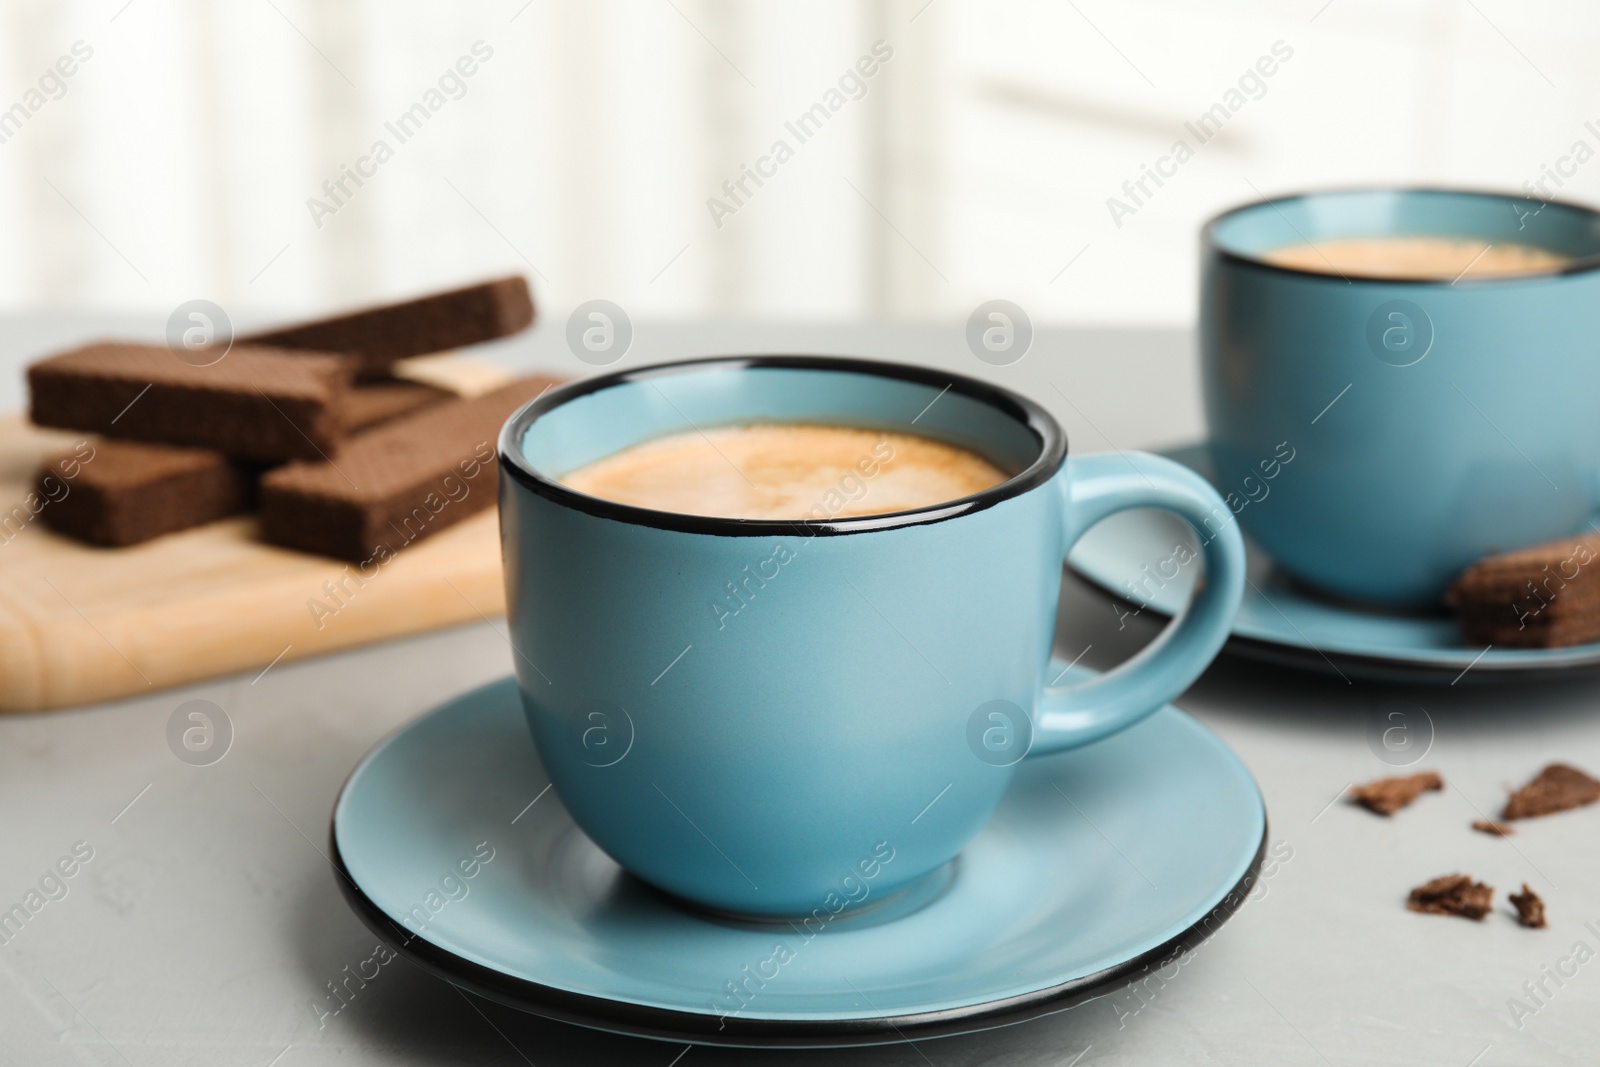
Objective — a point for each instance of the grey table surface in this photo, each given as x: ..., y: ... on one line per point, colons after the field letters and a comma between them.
x: 207, y: 925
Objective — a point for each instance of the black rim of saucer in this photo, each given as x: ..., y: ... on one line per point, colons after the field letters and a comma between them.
x: 1052, y: 448
x: 600, y: 1013
x: 1209, y: 243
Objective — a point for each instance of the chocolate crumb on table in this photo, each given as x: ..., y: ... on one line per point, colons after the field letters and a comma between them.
x: 403, y: 481
x: 1452, y: 894
x: 1544, y: 596
x: 260, y: 404
x: 1493, y: 829
x: 1558, y: 787
x: 1388, y: 795
x: 1530, y: 909
x: 125, y: 492
x: 379, y: 336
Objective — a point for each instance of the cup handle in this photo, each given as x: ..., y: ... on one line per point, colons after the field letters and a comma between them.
x: 1092, y: 488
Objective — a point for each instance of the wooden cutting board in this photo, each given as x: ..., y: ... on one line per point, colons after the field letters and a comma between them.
x: 80, y: 624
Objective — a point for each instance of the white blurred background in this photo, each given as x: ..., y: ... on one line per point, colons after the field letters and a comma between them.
x: 180, y: 158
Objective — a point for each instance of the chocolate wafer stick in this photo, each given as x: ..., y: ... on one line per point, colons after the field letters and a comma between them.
x: 1544, y: 596
x: 124, y: 492
x: 370, y: 405
x: 399, y: 483
x: 378, y: 336
x: 255, y: 403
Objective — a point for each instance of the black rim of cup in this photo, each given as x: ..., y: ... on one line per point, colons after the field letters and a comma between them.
x: 1580, y: 265
x: 1052, y: 449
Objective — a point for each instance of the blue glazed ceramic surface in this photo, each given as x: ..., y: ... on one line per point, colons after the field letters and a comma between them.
x: 750, y: 714
x: 1283, y: 622
x: 1099, y: 863
x: 1433, y: 422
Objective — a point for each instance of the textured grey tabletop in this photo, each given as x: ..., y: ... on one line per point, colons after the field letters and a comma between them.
x: 207, y: 926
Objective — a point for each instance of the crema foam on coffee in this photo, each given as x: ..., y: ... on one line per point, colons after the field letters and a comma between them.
x: 1416, y: 257
x: 786, y: 471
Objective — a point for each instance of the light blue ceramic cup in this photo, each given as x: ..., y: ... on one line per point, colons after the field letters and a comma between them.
x: 1429, y: 422
x: 795, y: 718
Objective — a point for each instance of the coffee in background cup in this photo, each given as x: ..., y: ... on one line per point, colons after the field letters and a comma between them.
x: 1416, y: 257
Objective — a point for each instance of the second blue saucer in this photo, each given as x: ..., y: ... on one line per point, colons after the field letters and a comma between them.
x: 1283, y: 622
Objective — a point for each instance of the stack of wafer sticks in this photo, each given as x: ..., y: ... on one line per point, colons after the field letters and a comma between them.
x: 308, y: 424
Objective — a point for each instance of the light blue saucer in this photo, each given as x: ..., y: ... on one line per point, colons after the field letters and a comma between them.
x: 1283, y: 622
x: 1100, y: 865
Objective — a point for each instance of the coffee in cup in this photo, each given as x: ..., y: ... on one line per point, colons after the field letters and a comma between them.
x: 1416, y: 257
x: 787, y: 471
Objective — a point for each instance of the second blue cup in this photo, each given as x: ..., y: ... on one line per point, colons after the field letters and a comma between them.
x: 1425, y: 423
